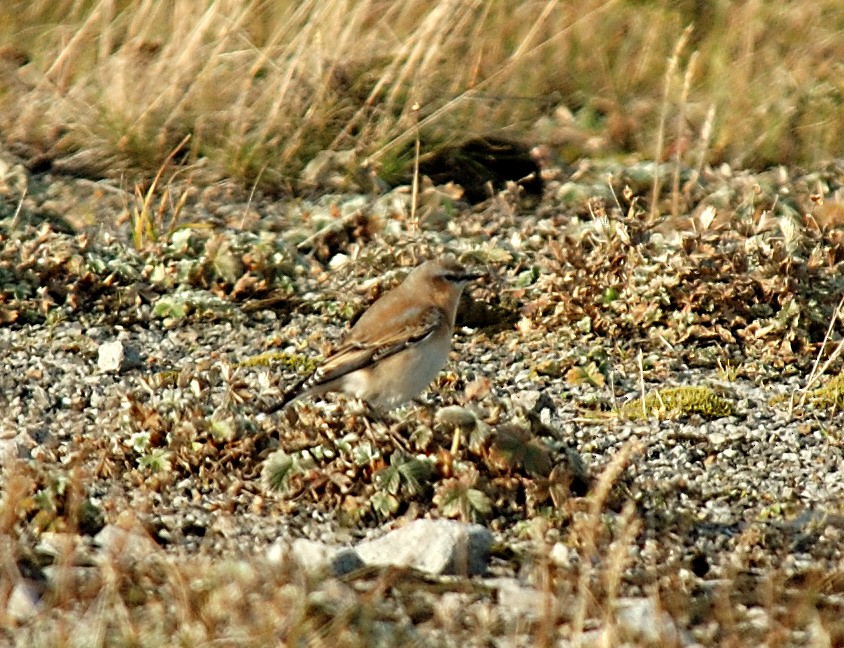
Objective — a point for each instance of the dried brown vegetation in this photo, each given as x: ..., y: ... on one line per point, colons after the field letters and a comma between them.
x: 110, y: 88
x: 587, y: 304
x: 648, y: 414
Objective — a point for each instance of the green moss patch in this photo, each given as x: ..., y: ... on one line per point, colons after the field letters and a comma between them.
x: 679, y: 402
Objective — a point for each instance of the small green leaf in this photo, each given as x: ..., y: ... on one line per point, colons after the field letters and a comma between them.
x: 158, y: 460
x: 388, y: 480
x: 170, y: 306
x: 223, y: 431
x: 278, y: 470
x: 384, y: 504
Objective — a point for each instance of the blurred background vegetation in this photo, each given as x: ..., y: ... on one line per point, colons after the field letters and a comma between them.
x: 110, y: 87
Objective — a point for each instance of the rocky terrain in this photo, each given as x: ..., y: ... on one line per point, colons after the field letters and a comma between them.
x: 638, y: 437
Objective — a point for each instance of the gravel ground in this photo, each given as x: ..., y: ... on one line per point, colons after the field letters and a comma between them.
x: 586, y: 304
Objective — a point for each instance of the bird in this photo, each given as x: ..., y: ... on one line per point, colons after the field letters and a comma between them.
x: 398, y: 346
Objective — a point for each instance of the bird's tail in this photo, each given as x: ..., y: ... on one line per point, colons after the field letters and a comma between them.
x: 290, y: 395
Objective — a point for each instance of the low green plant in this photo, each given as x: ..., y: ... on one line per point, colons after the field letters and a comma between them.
x: 677, y: 402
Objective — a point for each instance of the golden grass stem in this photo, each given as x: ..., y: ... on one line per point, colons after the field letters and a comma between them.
x: 681, y: 133
x: 642, y: 393
x: 668, y: 79
x: 414, y: 193
x: 816, y: 374
x: 703, y: 147
x: 144, y: 227
x: 589, y: 534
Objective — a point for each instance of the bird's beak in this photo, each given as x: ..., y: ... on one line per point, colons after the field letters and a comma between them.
x: 470, y: 275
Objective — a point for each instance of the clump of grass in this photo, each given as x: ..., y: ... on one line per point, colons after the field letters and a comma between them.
x: 104, y: 88
x: 678, y: 402
x: 830, y: 395
x: 147, y: 219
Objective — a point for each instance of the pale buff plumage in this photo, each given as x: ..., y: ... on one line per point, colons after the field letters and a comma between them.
x: 398, y: 346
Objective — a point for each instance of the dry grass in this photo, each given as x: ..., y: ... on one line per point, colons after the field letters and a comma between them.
x: 107, y: 87
x: 123, y: 595
x: 253, y: 89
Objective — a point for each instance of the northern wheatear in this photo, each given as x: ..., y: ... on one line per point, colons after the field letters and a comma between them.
x: 398, y: 346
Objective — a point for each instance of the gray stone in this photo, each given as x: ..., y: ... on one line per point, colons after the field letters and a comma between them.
x: 455, y: 416
x: 433, y: 546
x: 642, y: 620
x: 519, y: 599
x: 24, y: 600
x: 130, y: 543
x: 117, y: 356
x: 315, y: 556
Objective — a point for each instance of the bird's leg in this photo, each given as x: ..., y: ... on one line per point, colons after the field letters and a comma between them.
x: 370, y: 415
x: 393, y: 426
x: 395, y: 432
x: 427, y: 407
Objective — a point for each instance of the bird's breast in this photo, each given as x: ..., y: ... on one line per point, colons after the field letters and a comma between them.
x: 402, y: 376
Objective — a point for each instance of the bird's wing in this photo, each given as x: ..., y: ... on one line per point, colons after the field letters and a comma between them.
x: 361, y: 350
x: 366, y: 345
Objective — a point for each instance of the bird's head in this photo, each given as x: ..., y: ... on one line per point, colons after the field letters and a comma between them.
x: 443, y: 279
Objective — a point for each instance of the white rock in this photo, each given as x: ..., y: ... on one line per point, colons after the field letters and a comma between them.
x: 520, y: 599
x: 314, y: 556
x: 642, y: 620
x: 116, y: 356
x: 561, y: 555
x: 433, y: 546
x: 24, y: 599
x: 120, y: 542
